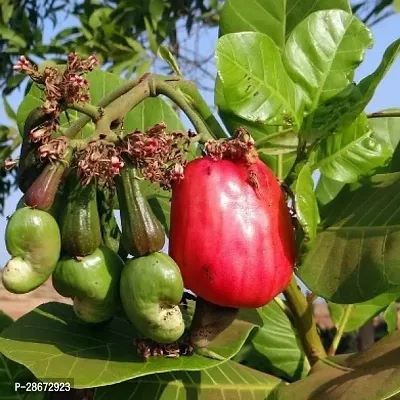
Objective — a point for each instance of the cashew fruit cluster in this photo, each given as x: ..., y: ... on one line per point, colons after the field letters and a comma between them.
x: 231, y: 241
x: 66, y: 229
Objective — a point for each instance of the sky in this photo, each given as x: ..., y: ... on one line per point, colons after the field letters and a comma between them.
x: 386, y: 96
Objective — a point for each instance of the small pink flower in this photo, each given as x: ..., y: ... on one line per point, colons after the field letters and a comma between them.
x: 22, y: 65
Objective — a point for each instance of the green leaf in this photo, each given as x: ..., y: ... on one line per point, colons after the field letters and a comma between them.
x: 391, y: 317
x: 368, y: 85
x: 34, y: 98
x: 264, y: 16
x: 102, y: 83
x: 165, y: 53
x: 371, y: 375
x: 396, y: 5
x: 11, y: 36
x: 8, y: 109
x: 322, y: 53
x: 350, y: 154
x: 150, y: 112
x: 226, y: 381
x: 356, y: 256
x: 156, y: 9
x: 5, y: 320
x: 342, y: 109
x: 256, y: 86
x: 274, y: 348
x: 151, y: 36
x: 387, y: 129
x: 363, y: 312
x: 297, y: 11
x: 51, y: 342
x: 11, y: 372
x: 327, y: 189
x: 306, y: 208
x: 99, y: 17
x: 270, y: 141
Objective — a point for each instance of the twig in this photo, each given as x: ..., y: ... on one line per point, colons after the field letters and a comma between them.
x: 383, y: 114
x: 340, y: 329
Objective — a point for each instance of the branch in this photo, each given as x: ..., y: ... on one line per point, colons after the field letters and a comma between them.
x: 180, y: 101
x: 200, y: 105
x: 304, y: 322
x: 93, y: 112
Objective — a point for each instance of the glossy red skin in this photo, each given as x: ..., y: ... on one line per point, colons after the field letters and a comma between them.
x: 233, y: 242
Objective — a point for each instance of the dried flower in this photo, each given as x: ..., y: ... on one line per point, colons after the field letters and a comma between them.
x: 157, y: 154
x: 99, y: 159
x: 240, y: 147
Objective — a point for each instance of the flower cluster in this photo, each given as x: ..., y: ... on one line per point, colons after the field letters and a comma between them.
x: 54, y: 149
x: 100, y: 159
x: 238, y: 148
x: 157, y: 154
x: 60, y: 87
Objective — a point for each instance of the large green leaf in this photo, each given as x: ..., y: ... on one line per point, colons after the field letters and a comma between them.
x: 275, y: 18
x: 363, y: 312
x: 256, y: 86
x: 274, y: 348
x: 269, y: 140
x: 51, y: 342
x: 265, y: 16
x: 11, y: 372
x: 371, y: 375
x: 297, y: 11
x: 342, y: 109
x: 226, y: 381
x: 322, y: 53
x: 327, y: 189
x: 352, y: 153
x: 357, y: 251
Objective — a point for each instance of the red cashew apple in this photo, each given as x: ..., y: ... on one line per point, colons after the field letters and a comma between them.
x: 231, y: 232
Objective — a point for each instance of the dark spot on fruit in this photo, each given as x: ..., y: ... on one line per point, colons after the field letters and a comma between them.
x: 207, y: 272
x: 209, y: 170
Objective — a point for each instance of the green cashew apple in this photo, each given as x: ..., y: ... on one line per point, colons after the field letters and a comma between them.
x: 151, y: 290
x: 92, y: 282
x: 33, y: 240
